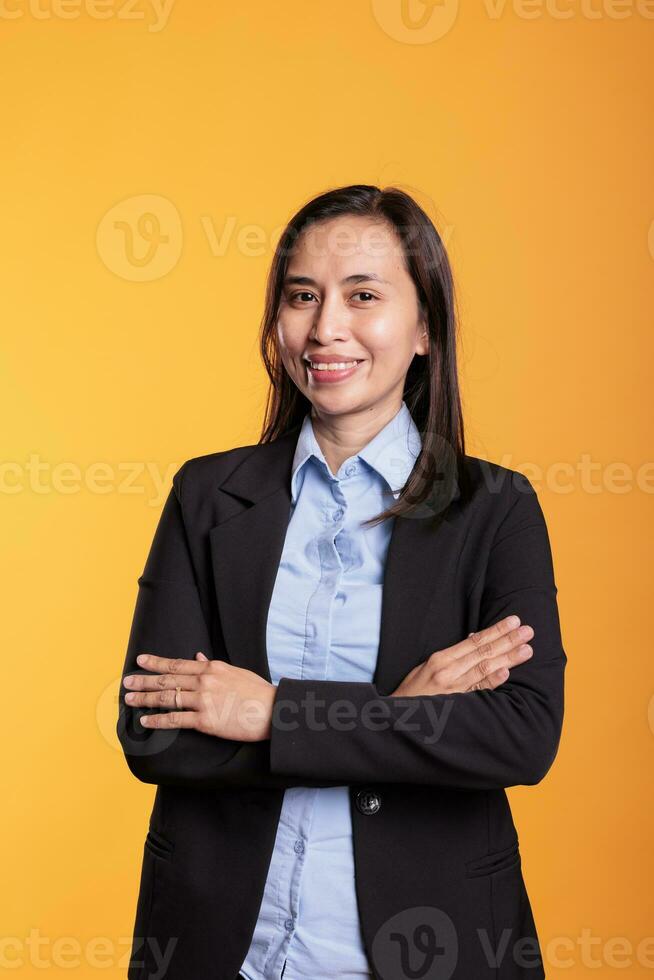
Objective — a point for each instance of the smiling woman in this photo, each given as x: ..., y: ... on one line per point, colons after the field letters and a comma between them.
x: 345, y: 646
x: 361, y: 275
x: 331, y: 329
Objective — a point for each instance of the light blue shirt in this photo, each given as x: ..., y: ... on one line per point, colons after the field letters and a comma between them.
x: 323, y: 623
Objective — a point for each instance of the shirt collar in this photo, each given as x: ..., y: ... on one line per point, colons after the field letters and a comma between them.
x: 391, y: 453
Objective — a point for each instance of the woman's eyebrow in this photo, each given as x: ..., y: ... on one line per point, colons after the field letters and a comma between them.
x: 355, y: 277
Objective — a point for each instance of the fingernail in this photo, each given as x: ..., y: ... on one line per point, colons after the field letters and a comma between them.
x: 130, y: 697
x: 513, y: 621
x: 141, y: 658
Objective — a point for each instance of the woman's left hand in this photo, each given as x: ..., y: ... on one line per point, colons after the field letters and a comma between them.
x: 215, y: 697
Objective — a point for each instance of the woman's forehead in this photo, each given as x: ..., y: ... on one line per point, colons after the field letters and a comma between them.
x: 349, y: 246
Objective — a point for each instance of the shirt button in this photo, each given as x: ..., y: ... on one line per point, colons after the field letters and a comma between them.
x: 288, y: 924
x: 351, y: 469
x: 298, y: 847
x: 337, y: 514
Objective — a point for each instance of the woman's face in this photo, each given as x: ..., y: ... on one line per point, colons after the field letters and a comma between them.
x: 348, y: 296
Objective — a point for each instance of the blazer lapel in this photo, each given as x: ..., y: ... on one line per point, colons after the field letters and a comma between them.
x: 246, y: 548
x: 414, y: 576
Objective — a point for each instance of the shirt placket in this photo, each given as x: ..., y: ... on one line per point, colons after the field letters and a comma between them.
x: 318, y: 630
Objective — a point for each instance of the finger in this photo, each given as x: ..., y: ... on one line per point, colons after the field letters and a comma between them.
x: 493, y: 647
x: 172, y: 719
x: 512, y: 658
x: 201, y: 656
x: 169, y: 665
x: 483, y: 656
x: 493, y: 680
x: 488, y: 635
x: 485, y: 668
x: 182, y: 700
x: 159, y: 682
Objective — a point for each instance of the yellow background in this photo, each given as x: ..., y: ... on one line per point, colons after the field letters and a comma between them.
x: 127, y: 349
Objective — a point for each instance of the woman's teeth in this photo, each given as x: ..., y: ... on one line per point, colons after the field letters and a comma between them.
x: 333, y: 367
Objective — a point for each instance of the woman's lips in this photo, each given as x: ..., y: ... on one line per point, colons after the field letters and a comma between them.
x: 329, y: 377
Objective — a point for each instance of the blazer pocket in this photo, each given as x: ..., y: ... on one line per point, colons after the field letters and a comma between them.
x: 496, y: 861
x: 159, y: 845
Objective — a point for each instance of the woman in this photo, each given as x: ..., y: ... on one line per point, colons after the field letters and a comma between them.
x: 329, y: 669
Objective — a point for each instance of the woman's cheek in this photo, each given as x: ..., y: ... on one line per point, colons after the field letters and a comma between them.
x: 383, y: 336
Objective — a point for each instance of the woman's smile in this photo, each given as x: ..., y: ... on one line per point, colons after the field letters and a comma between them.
x: 329, y: 372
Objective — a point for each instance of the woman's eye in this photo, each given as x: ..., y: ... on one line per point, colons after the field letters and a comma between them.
x: 304, y: 295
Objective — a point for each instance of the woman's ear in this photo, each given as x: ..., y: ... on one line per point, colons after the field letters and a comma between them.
x: 422, y: 345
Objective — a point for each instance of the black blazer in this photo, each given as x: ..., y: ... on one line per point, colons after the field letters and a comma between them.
x: 439, y: 884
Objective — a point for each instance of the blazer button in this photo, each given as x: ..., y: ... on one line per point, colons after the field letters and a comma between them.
x: 367, y: 801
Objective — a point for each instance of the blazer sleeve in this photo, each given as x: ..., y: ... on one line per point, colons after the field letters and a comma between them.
x: 476, y: 740
x: 169, y: 621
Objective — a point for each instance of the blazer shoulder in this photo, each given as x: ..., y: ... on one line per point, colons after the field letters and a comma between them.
x: 497, y: 490
x: 491, y: 477
x: 503, y: 505
x: 199, y: 474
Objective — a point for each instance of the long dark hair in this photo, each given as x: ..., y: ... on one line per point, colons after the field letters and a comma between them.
x: 431, y: 389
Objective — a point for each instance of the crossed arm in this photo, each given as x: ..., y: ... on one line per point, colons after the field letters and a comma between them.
x: 454, y: 721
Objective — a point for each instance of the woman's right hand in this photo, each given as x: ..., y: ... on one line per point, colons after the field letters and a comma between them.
x: 480, y: 661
